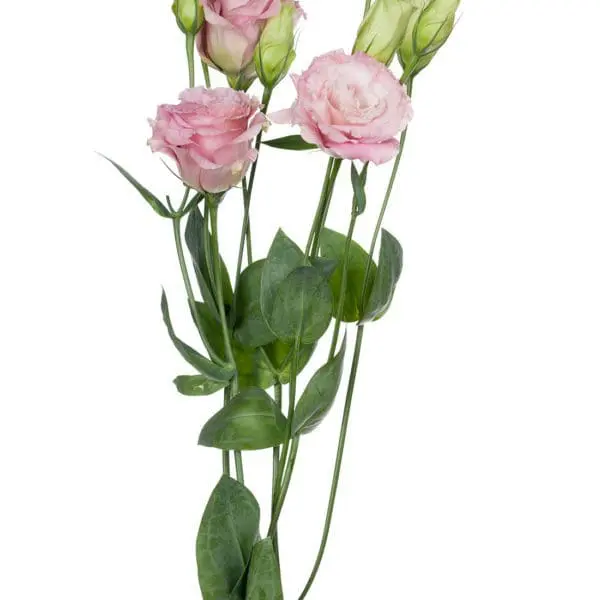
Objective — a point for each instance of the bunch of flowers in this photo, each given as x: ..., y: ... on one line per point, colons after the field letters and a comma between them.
x: 260, y: 324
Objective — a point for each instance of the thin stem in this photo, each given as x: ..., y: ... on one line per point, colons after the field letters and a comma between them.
x: 343, y: 285
x: 226, y: 459
x: 189, y: 49
x: 338, y: 461
x: 213, y: 213
x: 276, y: 453
x: 206, y: 73
x: 285, y: 486
x: 335, y: 169
x: 320, y: 207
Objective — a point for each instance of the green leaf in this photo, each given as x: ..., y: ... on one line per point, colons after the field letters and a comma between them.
x: 284, y: 256
x: 333, y: 246
x: 319, y: 395
x: 290, y: 142
x: 326, y: 266
x: 251, y: 329
x: 264, y: 577
x: 303, y: 306
x: 227, y: 534
x: 194, y: 238
x: 388, y: 274
x: 146, y: 194
x: 250, y: 421
x: 360, y: 197
x: 201, y: 363
x: 280, y: 354
x: 197, y: 385
x: 212, y: 332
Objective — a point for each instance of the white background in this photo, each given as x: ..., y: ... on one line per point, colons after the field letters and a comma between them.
x: 472, y: 470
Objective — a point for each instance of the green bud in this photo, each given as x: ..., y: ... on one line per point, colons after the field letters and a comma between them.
x: 428, y: 30
x: 274, y: 53
x: 189, y: 15
x: 384, y: 28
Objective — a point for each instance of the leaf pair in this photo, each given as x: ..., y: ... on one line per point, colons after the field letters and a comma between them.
x: 232, y: 563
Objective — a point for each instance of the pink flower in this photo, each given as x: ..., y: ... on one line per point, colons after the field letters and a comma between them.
x: 351, y: 106
x: 209, y: 135
x: 231, y: 31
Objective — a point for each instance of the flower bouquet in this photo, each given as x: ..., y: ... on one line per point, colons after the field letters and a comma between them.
x: 260, y: 321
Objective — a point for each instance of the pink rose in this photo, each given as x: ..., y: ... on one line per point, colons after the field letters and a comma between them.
x: 351, y: 106
x: 209, y: 135
x: 231, y: 31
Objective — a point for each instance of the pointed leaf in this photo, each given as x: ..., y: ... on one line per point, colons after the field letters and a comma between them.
x: 264, y: 577
x: 284, y: 256
x: 251, y: 329
x: 227, y: 534
x: 303, y: 306
x: 148, y: 196
x: 360, y: 197
x: 319, y: 395
x: 250, y: 421
x: 290, y: 142
x: 388, y: 274
x: 203, y: 364
x: 280, y: 354
x: 333, y: 246
x: 197, y: 385
x: 196, y: 243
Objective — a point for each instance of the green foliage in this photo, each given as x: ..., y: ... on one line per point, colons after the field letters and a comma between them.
x: 197, y: 385
x: 198, y: 244
x: 228, y: 532
x: 264, y: 577
x: 158, y: 207
x: 319, y: 395
x: 388, y: 275
x: 290, y: 142
x: 303, y: 306
x: 358, y: 185
x: 250, y: 421
x: 333, y: 246
x: 202, y: 364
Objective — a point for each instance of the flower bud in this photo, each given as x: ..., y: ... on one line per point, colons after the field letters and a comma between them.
x: 189, y: 15
x: 428, y: 30
x: 384, y: 28
x: 274, y: 53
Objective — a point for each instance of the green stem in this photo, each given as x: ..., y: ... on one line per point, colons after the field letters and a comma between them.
x: 343, y: 285
x: 338, y: 461
x: 276, y: 454
x: 226, y: 459
x: 353, y: 373
x: 189, y: 49
x: 367, y: 7
x: 285, y: 486
x: 206, y: 72
x: 213, y: 210
x: 335, y: 169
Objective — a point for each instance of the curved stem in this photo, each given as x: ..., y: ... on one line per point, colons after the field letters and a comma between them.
x: 206, y: 73
x: 338, y: 461
x: 213, y: 213
x: 335, y: 169
x: 189, y: 49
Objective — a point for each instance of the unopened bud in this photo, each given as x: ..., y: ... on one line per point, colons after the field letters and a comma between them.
x: 274, y: 53
x: 189, y: 15
x: 384, y: 28
x: 428, y: 30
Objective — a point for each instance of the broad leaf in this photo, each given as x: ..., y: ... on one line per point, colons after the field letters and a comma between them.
x: 250, y: 421
x: 358, y: 186
x: 227, y: 534
x: 194, y: 358
x: 264, y: 577
x: 388, y: 274
x: 196, y: 243
x: 211, y: 331
x: 303, y: 306
x: 280, y: 354
x: 333, y: 246
x: 197, y: 385
x: 319, y: 395
x: 290, y: 142
x: 325, y: 266
x: 251, y: 329
x: 146, y: 194
x: 284, y: 256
